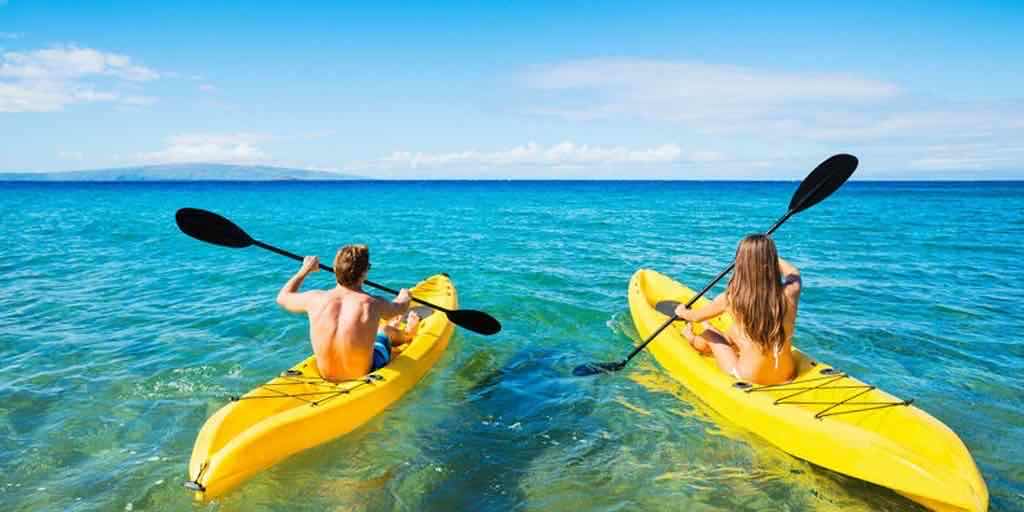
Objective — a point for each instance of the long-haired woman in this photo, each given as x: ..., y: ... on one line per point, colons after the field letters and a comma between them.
x: 762, y: 298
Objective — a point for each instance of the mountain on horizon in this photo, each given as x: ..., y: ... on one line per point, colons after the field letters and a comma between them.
x: 182, y: 172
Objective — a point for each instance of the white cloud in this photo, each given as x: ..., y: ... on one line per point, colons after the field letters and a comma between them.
x: 887, y: 122
x: 63, y: 62
x: 565, y: 154
x: 717, y: 99
x: 210, y: 147
x: 48, y: 97
x: 700, y: 80
x: 691, y: 91
x: 76, y: 156
x: 788, y: 114
x: 967, y: 157
x: 50, y: 79
x: 138, y: 100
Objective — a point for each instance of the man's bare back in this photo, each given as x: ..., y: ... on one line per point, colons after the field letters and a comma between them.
x: 342, y: 321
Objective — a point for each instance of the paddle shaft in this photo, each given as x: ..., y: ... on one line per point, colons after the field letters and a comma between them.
x: 697, y: 297
x: 369, y: 283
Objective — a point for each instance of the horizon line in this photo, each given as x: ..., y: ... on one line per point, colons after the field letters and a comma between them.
x: 505, y: 180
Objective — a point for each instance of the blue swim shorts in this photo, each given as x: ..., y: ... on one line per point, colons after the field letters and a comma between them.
x: 381, y: 351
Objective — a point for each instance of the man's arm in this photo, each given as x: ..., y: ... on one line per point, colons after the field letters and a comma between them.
x: 289, y: 297
x: 397, y: 307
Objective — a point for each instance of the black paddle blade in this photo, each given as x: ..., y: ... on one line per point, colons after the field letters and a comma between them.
x: 211, y: 228
x: 825, y: 179
x: 476, y: 321
x: 585, y: 370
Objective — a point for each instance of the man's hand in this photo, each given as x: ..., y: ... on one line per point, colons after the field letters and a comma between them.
x: 289, y: 297
x: 398, y: 306
x: 310, y: 264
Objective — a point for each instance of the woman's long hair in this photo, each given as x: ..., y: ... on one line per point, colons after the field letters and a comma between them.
x: 755, y: 292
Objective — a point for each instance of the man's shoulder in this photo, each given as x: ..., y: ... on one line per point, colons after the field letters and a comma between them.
x: 359, y: 297
x: 317, y: 298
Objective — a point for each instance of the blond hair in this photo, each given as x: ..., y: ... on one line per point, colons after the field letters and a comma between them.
x: 755, y: 292
x: 351, y: 262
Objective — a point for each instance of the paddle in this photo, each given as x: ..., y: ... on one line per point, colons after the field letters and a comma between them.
x: 825, y: 179
x: 212, y: 228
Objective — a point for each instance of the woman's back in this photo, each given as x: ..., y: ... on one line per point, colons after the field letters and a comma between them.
x: 760, y: 366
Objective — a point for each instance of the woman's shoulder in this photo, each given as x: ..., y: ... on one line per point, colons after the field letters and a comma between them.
x: 792, y: 281
x: 791, y: 288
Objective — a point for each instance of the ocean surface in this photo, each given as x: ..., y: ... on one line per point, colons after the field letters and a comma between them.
x: 119, y: 336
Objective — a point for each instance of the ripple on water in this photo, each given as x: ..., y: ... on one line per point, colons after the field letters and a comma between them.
x: 119, y: 339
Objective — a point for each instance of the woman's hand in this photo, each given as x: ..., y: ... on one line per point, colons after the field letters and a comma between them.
x: 684, y: 313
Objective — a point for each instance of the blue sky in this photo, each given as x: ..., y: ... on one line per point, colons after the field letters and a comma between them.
x: 520, y: 90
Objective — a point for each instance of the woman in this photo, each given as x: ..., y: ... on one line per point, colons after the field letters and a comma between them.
x: 762, y: 298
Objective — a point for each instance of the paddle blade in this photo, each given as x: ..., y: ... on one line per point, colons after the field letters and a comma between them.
x: 585, y: 370
x: 476, y: 321
x: 211, y: 228
x: 825, y: 179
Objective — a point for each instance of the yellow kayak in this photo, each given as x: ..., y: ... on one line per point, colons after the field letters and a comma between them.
x: 823, y: 415
x: 299, y: 410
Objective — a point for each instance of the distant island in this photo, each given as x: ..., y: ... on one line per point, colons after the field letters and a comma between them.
x: 182, y: 172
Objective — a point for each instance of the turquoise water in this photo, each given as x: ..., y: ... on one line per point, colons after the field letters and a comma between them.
x: 119, y: 336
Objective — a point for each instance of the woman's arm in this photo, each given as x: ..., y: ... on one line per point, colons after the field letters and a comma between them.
x: 717, y: 307
x: 791, y: 282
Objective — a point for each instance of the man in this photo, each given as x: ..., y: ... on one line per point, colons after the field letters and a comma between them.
x: 343, y: 321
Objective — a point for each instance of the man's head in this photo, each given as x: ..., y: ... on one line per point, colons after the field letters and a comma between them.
x: 351, y: 265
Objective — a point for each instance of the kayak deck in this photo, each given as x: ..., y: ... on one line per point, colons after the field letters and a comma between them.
x: 299, y: 410
x: 823, y: 415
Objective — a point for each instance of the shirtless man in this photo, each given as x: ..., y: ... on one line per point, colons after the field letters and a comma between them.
x: 343, y: 321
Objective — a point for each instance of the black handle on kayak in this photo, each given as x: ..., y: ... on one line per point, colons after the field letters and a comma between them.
x: 825, y: 179
x: 211, y: 228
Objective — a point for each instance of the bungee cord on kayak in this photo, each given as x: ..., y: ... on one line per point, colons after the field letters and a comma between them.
x: 193, y: 484
x: 291, y: 378
x: 829, y: 376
